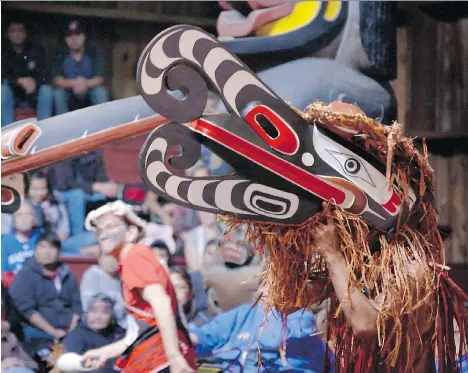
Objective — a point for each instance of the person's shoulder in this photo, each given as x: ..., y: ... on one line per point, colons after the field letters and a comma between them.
x: 7, y: 239
x: 91, y: 272
x: 92, y: 50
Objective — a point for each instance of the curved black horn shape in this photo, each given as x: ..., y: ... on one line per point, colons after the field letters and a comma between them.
x: 231, y: 194
x: 189, y: 59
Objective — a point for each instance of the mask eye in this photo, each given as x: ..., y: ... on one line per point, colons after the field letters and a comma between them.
x: 352, y: 166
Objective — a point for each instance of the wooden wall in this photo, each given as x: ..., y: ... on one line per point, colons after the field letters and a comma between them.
x: 433, y: 98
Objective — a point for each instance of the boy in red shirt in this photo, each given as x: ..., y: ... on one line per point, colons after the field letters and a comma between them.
x: 156, y: 339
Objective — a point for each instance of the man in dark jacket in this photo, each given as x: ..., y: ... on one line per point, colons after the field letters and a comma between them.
x: 23, y: 76
x: 46, y: 294
x: 78, y: 71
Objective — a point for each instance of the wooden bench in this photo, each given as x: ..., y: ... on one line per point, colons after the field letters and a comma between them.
x: 24, y: 113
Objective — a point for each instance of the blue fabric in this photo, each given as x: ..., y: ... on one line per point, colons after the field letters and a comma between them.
x: 72, y: 69
x: 19, y: 370
x: 15, y: 253
x: 91, y: 64
x: 33, y: 291
x: 44, y: 103
x: 239, y: 330
x: 75, y: 201
x: 98, y: 95
x: 8, y: 105
x: 82, y: 339
x: 72, y: 245
x: 464, y: 364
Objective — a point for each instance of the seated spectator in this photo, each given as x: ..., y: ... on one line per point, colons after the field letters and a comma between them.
x: 46, y: 293
x: 163, y: 253
x: 78, y: 72
x: 98, y: 329
x: 23, y: 75
x: 40, y: 193
x: 209, y: 255
x: 185, y: 293
x: 104, y: 279
x: 248, y: 333
x: 80, y: 180
x: 19, y: 245
x: 14, y: 358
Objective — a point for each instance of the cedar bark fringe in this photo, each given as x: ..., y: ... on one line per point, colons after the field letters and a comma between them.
x: 418, y: 305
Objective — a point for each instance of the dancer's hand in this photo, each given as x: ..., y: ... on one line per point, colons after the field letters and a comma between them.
x: 178, y: 364
x: 94, y: 359
x: 327, y: 240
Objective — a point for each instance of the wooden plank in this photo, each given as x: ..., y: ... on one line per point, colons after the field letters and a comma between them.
x: 422, y: 34
x: 441, y: 165
x: 125, y: 56
x: 400, y: 85
x: 116, y: 14
x: 448, y: 62
x: 456, y: 187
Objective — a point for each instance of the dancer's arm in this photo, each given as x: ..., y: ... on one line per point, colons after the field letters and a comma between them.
x: 160, y: 302
x: 359, y: 311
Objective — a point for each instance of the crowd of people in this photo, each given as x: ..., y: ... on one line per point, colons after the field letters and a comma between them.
x: 74, y: 77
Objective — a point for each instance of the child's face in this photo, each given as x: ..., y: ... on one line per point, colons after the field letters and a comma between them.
x: 46, y: 253
x: 38, y: 190
x: 25, y: 218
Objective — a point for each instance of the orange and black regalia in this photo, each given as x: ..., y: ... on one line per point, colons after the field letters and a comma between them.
x: 139, y: 269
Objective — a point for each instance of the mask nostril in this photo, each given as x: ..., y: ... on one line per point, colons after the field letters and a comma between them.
x: 267, y: 126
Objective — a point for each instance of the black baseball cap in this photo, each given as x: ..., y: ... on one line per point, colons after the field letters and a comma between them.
x: 75, y: 28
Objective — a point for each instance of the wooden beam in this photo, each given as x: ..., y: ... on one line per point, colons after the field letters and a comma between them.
x: 116, y: 14
x: 445, y: 144
x: 82, y: 145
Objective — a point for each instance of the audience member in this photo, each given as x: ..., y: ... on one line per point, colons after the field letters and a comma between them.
x: 23, y: 75
x: 80, y: 180
x: 247, y: 334
x: 46, y: 293
x: 185, y: 293
x: 40, y: 193
x: 19, y: 245
x: 98, y: 329
x: 14, y: 358
x: 104, y: 279
x: 163, y: 253
x: 209, y: 255
x: 78, y: 72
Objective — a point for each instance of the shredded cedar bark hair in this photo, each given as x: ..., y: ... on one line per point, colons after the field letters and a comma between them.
x: 406, y: 278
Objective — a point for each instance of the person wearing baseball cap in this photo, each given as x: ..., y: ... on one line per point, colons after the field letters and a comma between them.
x: 78, y: 71
x: 149, y: 297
